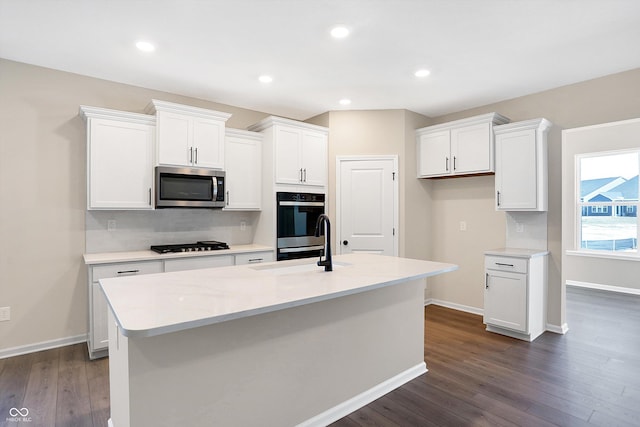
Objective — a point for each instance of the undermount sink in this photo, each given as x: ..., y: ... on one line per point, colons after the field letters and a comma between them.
x: 296, y: 268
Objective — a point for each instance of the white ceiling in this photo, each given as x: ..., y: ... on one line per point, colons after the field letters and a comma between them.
x: 478, y: 51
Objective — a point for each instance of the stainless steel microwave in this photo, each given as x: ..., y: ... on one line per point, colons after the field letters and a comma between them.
x: 178, y: 187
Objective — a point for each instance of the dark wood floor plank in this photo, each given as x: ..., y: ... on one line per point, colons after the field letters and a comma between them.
x: 42, y: 388
x: 13, y: 385
x: 74, y: 406
x: 98, y: 382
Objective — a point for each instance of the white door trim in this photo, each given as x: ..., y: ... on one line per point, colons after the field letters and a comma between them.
x: 396, y: 197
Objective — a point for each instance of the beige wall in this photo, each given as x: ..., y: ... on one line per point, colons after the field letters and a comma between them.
x: 42, y: 194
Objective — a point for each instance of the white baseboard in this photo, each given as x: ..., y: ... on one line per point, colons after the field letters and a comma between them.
x: 562, y: 329
x: 345, y: 408
x: 44, y: 345
x: 600, y: 287
x: 454, y: 306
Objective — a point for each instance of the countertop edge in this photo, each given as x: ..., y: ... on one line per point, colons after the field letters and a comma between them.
x: 149, y: 255
x: 517, y: 252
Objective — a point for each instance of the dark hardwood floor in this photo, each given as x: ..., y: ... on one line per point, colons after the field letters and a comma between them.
x: 588, y: 377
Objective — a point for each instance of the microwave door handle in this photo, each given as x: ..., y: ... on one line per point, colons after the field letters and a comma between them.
x: 215, y: 188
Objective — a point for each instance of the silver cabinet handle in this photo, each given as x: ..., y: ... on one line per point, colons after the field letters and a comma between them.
x: 255, y: 260
x: 227, y: 197
x: 190, y: 154
x: 486, y: 280
x: 300, y: 174
x: 503, y: 264
x: 454, y: 162
x: 305, y: 175
x: 498, y: 198
x: 129, y: 272
x: 149, y: 196
x: 446, y: 163
x: 196, y: 162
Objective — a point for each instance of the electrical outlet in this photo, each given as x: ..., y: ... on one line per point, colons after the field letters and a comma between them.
x: 463, y: 225
x: 111, y: 225
x: 519, y: 227
x: 243, y: 225
x: 5, y: 314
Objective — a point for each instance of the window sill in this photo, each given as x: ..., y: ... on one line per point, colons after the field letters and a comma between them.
x: 628, y: 256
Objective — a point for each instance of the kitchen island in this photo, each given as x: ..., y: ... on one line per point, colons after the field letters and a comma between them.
x: 277, y: 344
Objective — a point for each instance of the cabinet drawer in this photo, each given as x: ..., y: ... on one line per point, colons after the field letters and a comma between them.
x: 126, y: 269
x: 514, y: 265
x: 196, y: 263
x: 254, y: 258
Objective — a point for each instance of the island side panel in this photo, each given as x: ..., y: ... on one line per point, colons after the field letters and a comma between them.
x: 275, y: 369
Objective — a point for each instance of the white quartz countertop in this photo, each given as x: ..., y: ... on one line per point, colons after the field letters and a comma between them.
x: 517, y: 252
x: 146, y: 255
x: 155, y: 304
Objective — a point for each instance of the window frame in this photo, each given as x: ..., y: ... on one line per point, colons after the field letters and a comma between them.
x: 600, y: 206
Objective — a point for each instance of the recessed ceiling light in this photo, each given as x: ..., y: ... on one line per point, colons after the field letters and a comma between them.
x: 339, y: 32
x: 265, y: 79
x: 423, y: 72
x: 345, y: 101
x: 145, y: 46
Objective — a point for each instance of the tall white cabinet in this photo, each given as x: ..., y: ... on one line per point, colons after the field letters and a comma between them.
x: 515, y: 294
x: 521, y: 166
x: 461, y: 147
x: 189, y: 136
x: 120, y: 152
x: 243, y: 166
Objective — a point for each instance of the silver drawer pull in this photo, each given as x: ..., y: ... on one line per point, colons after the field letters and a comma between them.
x: 129, y: 272
x: 504, y: 265
x: 256, y: 260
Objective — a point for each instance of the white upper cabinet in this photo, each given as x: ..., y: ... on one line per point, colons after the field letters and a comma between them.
x: 243, y: 162
x: 521, y: 166
x: 120, y: 151
x: 299, y: 151
x: 189, y: 136
x: 462, y: 147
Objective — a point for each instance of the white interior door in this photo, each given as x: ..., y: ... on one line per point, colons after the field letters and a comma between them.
x: 367, y: 205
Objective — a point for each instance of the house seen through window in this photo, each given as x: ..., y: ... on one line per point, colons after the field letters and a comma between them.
x: 608, y: 201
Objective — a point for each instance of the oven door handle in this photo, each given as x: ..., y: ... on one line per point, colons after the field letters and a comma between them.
x: 321, y: 204
x: 302, y: 249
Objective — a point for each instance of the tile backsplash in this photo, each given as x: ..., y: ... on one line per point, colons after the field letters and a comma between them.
x: 113, y: 231
x: 526, y: 230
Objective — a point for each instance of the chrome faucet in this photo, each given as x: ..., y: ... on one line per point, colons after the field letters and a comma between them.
x: 327, y: 263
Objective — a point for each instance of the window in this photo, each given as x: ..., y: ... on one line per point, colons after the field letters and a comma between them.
x: 607, y: 201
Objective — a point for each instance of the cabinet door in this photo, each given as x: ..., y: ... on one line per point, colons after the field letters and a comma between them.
x: 120, y: 165
x: 243, y: 161
x: 208, y: 143
x: 471, y: 149
x: 314, y: 158
x: 196, y: 263
x: 288, y: 146
x: 516, y: 166
x: 505, y: 300
x: 433, y: 154
x: 99, y: 332
x: 174, y: 139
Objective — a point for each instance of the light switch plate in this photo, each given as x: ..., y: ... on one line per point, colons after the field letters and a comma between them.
x: 5, y: 314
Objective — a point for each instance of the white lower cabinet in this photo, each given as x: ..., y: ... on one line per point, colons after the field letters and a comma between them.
x: 515, y: 293
x: 98, y: 339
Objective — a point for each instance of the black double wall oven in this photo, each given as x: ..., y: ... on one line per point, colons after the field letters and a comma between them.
x: 297, y: 214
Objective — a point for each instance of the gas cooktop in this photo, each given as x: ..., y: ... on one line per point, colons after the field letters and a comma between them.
x: 205, y: 245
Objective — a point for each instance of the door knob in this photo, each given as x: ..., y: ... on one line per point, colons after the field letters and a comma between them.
x: 345, y: 242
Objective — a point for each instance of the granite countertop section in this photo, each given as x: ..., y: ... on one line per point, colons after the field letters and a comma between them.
x: 518, y: 252
x: 148, y: 255
x: 155, y: 304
